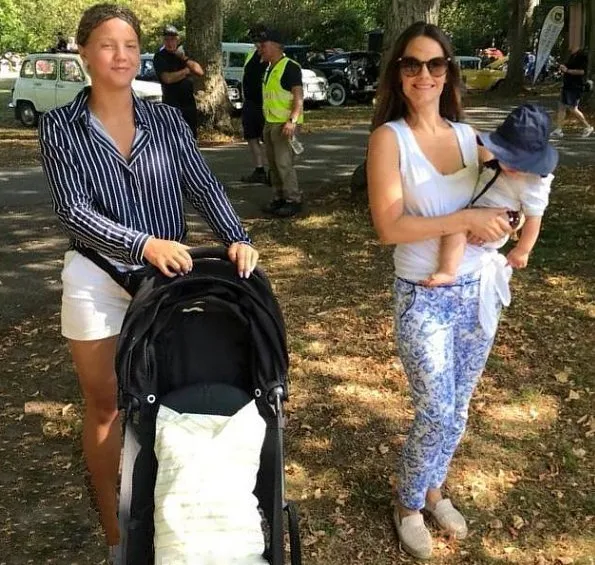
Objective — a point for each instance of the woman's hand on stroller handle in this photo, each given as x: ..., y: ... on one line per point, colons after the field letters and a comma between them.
x: 244, y: 256
x: 170, y: 257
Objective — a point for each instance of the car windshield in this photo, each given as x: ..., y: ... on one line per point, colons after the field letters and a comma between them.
x: 338, y: 59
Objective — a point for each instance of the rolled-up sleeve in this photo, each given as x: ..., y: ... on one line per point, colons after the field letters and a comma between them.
x: 74, y: 205
x: 205, y: 192
x: 535, y: 196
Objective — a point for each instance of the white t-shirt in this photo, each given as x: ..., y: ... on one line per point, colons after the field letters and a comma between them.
x: 524, y: 191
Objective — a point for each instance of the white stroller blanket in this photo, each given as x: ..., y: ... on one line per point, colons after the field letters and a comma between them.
x: 205, y: 511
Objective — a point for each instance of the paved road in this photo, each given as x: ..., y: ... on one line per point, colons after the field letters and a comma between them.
x: 32, y: 243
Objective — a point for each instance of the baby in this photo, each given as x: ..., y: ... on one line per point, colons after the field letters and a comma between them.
x: 517, y: 176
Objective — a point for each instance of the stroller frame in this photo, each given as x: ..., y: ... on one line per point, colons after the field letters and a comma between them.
x: 139, y: 395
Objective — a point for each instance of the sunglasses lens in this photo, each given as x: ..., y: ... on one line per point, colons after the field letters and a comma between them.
x: 437, y: 66
x: 410, y: 66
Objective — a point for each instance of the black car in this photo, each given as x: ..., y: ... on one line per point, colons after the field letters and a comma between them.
x: 352, y: 74
x: 147, y: 72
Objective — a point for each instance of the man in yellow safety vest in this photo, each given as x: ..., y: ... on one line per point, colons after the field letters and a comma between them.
x: 283, y: 104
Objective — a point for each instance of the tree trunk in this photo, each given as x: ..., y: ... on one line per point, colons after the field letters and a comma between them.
x: 590, y: 27
x: 204, y: 26
x: 521, y: 14
x: 401, y: 14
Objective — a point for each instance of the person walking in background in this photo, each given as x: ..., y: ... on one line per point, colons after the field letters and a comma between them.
x: 173, y: 69
x: 283, y: 103
x: 573, y: 81
x: 118, y: 168
x: 252, y: 110
x: 423, y: 166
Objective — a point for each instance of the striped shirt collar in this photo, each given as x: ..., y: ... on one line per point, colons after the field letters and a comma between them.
x: 79, y: 109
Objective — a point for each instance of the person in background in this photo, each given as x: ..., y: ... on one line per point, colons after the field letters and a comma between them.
x: 252, y: 110
x: 61, y: 43
x: 573, y: 80
x: 118, y: 168
x: 283, y: 103
x: 423, y: 165
x: 174, y: 69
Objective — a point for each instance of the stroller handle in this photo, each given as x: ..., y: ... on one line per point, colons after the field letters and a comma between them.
x: 208, y: 253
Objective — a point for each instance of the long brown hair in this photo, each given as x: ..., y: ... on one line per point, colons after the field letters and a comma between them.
x: 391, y: 102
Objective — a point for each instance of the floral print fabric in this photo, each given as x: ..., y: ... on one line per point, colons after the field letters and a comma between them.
x: 443, y: 349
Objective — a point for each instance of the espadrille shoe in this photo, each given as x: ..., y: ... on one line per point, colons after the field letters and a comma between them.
x: 449, y: 518
x: 414, y: 537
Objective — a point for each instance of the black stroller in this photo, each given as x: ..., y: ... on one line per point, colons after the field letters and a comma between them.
x: 199, y: 364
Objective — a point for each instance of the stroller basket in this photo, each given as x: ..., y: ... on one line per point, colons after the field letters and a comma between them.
x: 204, y: 343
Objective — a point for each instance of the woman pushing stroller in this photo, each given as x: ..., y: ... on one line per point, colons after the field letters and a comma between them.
x: 118, y: 168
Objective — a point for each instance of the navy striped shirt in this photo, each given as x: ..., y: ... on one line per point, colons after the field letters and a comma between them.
x: 114, y: 206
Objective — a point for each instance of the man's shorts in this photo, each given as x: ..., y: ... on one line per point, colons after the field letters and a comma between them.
x: 570, y: 97
x: 93, y: 304
x: 252, y: 120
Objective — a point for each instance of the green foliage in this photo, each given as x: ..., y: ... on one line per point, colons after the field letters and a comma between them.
x: 32, y: 25
x: 320, y: 23
x: 474, y: 24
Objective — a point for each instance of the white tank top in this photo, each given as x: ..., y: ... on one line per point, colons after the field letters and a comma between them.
x: 427, y: 192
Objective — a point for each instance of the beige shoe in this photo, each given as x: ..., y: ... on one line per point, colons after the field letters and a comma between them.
x: 449, y: 518
x: 414, y: 537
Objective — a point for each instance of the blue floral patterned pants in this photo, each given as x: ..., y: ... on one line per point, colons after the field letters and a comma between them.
x: 443, y: 350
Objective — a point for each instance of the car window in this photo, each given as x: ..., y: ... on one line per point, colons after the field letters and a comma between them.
x: 236, y: 59
x: 339, y: 59
x: 147, y: 69
x: 27, y: 70
x: 70, y: 71
x: 46, y: 69
x: 469, y: 64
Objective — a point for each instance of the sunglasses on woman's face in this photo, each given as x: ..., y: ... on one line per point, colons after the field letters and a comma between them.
x: 411, y: 67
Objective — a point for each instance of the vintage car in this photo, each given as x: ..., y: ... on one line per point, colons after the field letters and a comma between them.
x: 352, y: 74
x: 476, y: 77
x: 49, y: 80
x: 314, y: 84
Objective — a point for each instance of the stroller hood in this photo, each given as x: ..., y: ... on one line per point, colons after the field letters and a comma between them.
x: 179, y: 331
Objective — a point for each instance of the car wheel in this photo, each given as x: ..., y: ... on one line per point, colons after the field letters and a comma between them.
x: 336, y: 95
x: 27, y: 114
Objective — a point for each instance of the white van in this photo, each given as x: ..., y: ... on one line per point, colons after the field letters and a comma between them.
x: 234, y: 56
x: 49, y: 80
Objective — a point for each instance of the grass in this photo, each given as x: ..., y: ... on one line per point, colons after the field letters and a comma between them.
x: 523, y: 474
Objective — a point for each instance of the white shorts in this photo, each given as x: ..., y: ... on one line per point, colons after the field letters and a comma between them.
x: 93, y: 304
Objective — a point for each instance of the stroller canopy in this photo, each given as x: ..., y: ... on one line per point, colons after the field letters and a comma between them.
x: 209, y: 326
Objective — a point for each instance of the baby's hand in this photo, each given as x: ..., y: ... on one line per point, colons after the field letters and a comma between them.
x: 517, y: 258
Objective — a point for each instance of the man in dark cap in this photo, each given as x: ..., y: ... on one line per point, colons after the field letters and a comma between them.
x: 283, y: 104
x: 252, y: 112
x: 173, y: 69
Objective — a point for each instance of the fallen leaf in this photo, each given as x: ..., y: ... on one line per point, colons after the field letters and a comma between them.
x: 518, y: 522
x: 317, y: 493
x: 383, y: 449
x: 579, y: 452
x: 562, y: 377
x: 496, y: 524
x: 573, y: 395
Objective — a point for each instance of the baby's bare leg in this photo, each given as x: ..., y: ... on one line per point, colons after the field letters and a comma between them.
x: 452, y: 248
